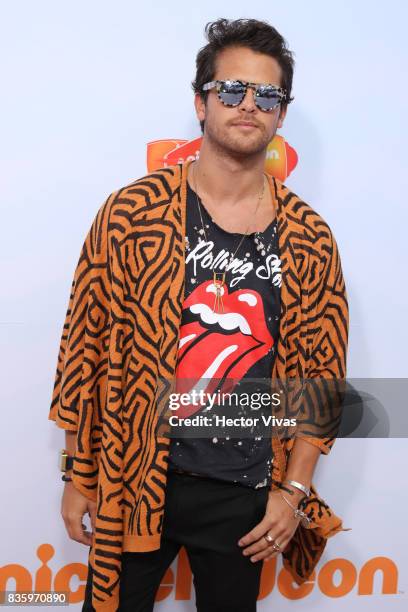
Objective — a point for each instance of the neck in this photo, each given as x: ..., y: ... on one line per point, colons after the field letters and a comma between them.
x: 224, y: 179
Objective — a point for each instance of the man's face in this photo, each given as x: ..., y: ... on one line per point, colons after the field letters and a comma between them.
x: 221, y: 122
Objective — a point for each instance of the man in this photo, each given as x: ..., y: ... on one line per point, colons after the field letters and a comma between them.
x: 200, y: 272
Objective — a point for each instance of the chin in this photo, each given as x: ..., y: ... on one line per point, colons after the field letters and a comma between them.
x: 245, y: 148
x: 245, y: 145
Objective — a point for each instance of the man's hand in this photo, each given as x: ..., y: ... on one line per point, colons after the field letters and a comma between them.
x: 73, y: 507
x: 279, y: 522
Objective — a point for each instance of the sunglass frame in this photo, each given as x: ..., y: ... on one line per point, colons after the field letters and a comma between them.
x: 282, y: 93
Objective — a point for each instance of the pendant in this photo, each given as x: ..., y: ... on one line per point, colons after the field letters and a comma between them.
x: 219, y: 279
x: 304, y: 519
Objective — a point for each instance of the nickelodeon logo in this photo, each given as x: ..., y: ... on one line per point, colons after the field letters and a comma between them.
x: 280, y: 158
x: 335, y: 578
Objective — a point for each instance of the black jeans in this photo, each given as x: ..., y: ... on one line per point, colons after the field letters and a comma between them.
x: 207, y: 517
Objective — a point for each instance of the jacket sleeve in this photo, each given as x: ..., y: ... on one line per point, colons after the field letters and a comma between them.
x: 83, y: 349
x: 326, y: 379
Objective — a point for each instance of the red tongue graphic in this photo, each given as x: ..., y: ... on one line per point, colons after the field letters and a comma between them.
x: 216, y: 348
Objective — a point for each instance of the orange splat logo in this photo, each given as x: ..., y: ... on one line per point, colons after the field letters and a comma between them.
x: 280, y: 158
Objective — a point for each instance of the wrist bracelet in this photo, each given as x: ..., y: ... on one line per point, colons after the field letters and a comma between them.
x: 66, y: 478
x: 299, y: 486
x: 297, y: 513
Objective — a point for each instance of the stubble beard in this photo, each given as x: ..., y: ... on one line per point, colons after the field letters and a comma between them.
x: 238, y: 146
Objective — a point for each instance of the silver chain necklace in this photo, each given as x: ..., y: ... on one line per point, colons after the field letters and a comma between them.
x: 219, y: 277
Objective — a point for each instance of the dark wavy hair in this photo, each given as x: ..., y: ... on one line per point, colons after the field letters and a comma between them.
x: 251, y: 33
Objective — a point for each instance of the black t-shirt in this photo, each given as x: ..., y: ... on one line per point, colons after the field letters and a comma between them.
x: 235, y: 343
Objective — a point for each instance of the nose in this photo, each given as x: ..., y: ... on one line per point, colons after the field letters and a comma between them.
x: 248, y: 103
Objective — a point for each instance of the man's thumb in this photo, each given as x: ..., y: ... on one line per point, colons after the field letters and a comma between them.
x: 92, y: 514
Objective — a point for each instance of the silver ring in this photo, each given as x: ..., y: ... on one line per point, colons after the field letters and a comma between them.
x: 269, y: 538
x: 276, y: 546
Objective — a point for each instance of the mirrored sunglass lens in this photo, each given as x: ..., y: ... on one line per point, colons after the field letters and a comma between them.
x: 267, y: 98
x: 232, y: 92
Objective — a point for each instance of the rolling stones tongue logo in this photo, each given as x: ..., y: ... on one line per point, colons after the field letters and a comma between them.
x: 217, y: 345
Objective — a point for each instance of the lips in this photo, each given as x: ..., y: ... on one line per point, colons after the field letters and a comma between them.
x: 244, y: 124
x: 216, y: 349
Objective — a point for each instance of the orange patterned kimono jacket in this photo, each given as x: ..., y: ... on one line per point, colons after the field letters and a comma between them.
x: 120, y: 337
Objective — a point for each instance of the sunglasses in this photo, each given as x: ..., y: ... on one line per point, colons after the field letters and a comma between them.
x: 231, y: 93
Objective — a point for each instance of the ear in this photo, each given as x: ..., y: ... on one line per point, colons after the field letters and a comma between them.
x: 199, y: 107
x: 282, y: 115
